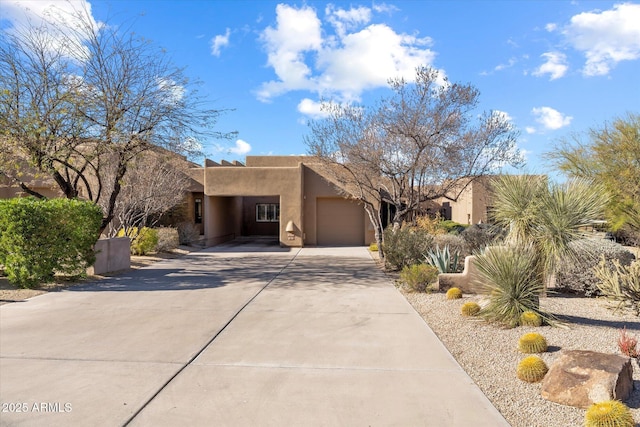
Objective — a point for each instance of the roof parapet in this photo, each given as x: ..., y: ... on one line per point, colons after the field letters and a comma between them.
x: 210, y: 163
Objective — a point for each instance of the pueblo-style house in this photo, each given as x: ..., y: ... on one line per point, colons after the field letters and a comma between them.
x: 285, y: 198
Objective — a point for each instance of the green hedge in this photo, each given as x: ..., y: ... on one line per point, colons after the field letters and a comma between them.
x: 40, y: 237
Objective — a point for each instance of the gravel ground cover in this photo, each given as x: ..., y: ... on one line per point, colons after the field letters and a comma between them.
x: 489, y: 354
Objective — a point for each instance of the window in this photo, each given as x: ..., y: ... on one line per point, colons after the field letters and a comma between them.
x: 198, y: 211
x: 267, y: 212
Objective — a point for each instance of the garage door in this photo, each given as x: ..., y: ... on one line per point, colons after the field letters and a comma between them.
x: 340, y: 222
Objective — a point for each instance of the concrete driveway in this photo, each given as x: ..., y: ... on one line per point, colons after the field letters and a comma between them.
x: 233, y: 336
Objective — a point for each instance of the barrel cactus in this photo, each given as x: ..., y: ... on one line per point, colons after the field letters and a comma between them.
x: 532, y: 369
x: 530, y: 318
x: 611, y: 413
x: 470, y: 308
x: 532, y: 343
x: 454, y: 293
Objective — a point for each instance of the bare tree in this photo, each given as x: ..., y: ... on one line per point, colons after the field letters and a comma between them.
x: 418, y: 144
x: 80, y: 99
x: 156, y: 182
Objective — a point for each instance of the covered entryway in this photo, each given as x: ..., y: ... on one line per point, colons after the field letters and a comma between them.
x: 340, y: 222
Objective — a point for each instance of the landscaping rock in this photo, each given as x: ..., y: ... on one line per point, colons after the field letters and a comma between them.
x: 580, y: 378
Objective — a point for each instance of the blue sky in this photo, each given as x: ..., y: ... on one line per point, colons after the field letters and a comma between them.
x: 554, y: 67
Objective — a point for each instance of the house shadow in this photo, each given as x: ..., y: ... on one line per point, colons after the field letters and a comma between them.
x: 191, y: 272
x: 617, y: 324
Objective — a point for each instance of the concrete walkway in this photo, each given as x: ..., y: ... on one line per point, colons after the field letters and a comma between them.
x: 233, y: 336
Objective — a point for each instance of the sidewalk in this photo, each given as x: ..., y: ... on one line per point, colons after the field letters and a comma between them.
x: 235, y: 336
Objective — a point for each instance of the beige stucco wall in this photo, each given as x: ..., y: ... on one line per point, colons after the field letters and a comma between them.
x: 285, y: 182
x: 471, y: 206
x: 293, y: 181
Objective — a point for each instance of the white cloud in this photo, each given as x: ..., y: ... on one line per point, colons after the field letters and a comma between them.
x: 606, y: 37
x: 550, y: 27
x: 555, y: 66
x: 241, y: 148
x: 312, y: 108
x: 530, y: 129
x: 511, y: 63
x: 220, y: 41
x: 385, y: 8
x: 358, y: 57
x: 173, y: 91
x: 297, y: 31
x: 503, y: 115
x: 550, y: 119
x: 344, y: 20
x: 62, y: 20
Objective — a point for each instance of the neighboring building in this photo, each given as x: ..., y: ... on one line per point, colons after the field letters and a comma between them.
x: 473, y: 205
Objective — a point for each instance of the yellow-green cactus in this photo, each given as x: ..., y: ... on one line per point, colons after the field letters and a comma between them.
x: 532, y: 369
x: 470, y: 308
x: 532, y: 342
x: 611, y: 413
x: 530, y: 318
x: 454, y: 293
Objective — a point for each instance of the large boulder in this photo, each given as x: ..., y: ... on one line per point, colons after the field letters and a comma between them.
x: 580, y: 378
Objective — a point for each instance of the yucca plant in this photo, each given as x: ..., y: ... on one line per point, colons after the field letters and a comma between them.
x: 510, y: 277
x: 442, y: 259
x: 547, y: 217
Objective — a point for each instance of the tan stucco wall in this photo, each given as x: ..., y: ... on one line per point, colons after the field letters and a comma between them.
x: 277, y: 161
x: 289, y: 180
x: 285, y: 182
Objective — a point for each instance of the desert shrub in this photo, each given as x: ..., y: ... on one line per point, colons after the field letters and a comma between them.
x: 143, y: 240
x: 621, y: 285
x: 405, y: 246
x: 419, y: 276
x: 628, y: 344
x: 512, y: 279
x: 627, y: 236
x: 433, y: 226
x: 575, y: 274
x: 455, y: 243
x: 41, y: 237
x: 479, y: 236
x: 188, y: 233
x: 168, y: 239
x: 610, y: 413
x: 452, y: 226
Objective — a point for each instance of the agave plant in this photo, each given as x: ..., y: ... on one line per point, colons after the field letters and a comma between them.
x: 443, y: 260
